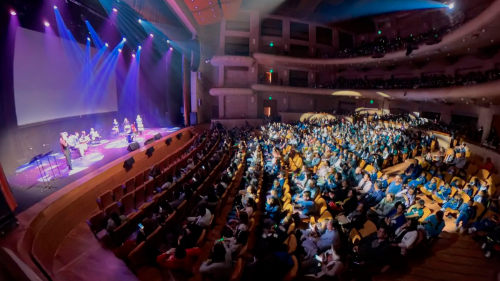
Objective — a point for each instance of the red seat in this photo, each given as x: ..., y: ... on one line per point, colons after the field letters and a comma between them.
x: 113, y: 208
x: 181, y: 211
x: 128, y: 203
x: 130, y: 185
x: 150, y: 188
x: 139, y: 179
x: 119, y: 192
x: 121, y: 233
x: 97, y: 222
x: 137, y: 257
x: 105, y: 200
x: 140, y: 198
x: 154, y: 240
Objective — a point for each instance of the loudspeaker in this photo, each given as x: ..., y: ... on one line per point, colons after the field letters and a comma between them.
x: 133, y: 146
x: 149, y: 151
x: 193, y: 118
x: 168, y: 141
x: 149, y: 141
x: 179, y: 136
x: 129, y: 163
x: 158, y: 136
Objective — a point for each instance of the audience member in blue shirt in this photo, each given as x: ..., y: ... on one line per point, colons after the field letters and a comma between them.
x: 453, y: 204
x: 273, y: 208
x: 444, y: 192
x: 430, y: 186
x: 467, y: 212
x: 396, y: 217
x: 395, y: 186
x: 374, y: 197
x: 418, y: 181
x: 307, y: 205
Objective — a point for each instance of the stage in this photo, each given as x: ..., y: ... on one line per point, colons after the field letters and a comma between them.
x: 27, y: 182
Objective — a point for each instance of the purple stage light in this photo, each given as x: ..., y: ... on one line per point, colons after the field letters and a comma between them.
x: 13, y: 13
x: 124, y: 39
x: 106, y: 45
x: 151, y: 35
x: 171, y: 49
x: 115, y: 10
x: 55, y: 7
x: 140, y: 47
x: 133, y: 55
x: 120, y: 50
x: 46, y: 23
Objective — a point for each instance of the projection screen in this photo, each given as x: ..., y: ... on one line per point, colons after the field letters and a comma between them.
x: 50, y: 82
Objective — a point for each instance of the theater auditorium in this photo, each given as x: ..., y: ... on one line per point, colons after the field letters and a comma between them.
x: 227, y: 140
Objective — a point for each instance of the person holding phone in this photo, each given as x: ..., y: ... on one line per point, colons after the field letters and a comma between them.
x: 328, y: 263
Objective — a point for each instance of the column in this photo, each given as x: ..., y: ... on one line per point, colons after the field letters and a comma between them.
x: 186, y: 92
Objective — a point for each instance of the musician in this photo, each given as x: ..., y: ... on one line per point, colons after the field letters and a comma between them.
x: 126, y: 126
x: 94, y: 135
x: 84, y: 143
x: 63, y: 140
x: 115, y: 130
x: 140, y: 125
x: 131, y: 135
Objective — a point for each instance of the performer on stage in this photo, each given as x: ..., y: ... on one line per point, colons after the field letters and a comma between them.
x: 126, y: 126
x: 140, y: 125
x: 65, y: 149
x: 83, y: 143
x: 115, y: 130
x: 94, y: 135
x: 131, y: 135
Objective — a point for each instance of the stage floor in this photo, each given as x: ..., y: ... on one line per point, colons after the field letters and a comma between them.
x: 27, y: 183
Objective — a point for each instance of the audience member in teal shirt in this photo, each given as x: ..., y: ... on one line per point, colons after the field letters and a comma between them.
x: 273, y: 209
x: 418, y: 181
x: 468, y: 190
x: 455, y: 183
x: 307, y: 204
x: 434, y: 224
x: 384, y: 183
x: 467, y: 212
x: 431, y: 185
x: 444, y: 193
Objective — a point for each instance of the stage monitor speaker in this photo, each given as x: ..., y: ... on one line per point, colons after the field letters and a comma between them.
x: 129, y: 163
x: 149, y: 151
x: 158, y: 136
x: 168, y: 141
x: 193, y: 118
x: 179, y: 136
x: 151, y: 140
x: 133, y: 146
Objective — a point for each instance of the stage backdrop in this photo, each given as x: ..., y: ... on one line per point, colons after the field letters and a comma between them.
x: 50, y: 82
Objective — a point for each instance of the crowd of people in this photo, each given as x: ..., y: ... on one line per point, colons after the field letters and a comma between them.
x: 426, y: 81
x: 330, y: 171
x: 314, y: 200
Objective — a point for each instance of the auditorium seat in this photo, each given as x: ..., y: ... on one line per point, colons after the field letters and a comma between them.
x: 140, y: 198
x: 97, y: 222
x: 150, y: 188
x: 293, y: 272
x: 170, y: 221
x: 105, y: 200
x: 368, y: 228
x: 130, y: 184
x: 113, y: 208
x: 181, y: 211
x: 137, y: 257
x: 128, y: 204
x: 121, y: 233
x: 118, y: 192
x: 201, y: 239
x: 154, y: 240
x: 139, y: 179
x: 237, y: 270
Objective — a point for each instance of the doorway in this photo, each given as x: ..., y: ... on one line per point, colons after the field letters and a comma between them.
x: 270, y: 108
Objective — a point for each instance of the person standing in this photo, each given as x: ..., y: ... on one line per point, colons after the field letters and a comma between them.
x: 65, y: 149
x: 140, y: 125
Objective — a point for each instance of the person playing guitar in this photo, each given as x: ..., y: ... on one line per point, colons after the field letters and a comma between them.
x: 83, y: 143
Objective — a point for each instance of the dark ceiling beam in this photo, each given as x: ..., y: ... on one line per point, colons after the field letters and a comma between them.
x: 306, y: 8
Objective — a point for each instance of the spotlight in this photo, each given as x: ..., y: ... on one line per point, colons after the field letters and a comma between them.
x: 55, y: 7
x: 151, y: 35
x: 171, y: 49
x: 115, y: 10
x: 106, y: 45
x: 168, y: 41
x: 120, y: 50
x: 140, y: 20
x: 133, y: 55
x: 124, y: 39
x: 46, y: 23
x: 451, y: 6
x: 140, y: 47
x: 88, y: 39
x: 12, y: 13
